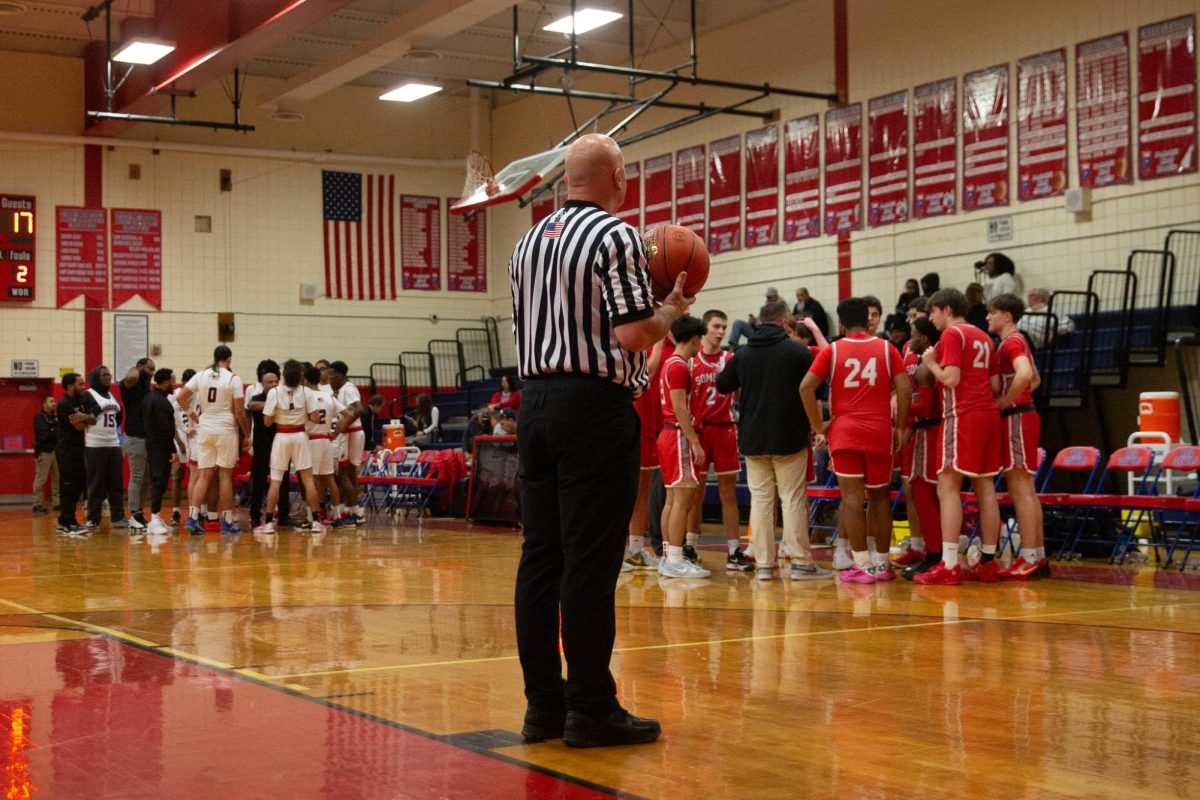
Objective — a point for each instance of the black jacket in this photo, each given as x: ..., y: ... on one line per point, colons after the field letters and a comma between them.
x: 768, y: 371
x: 372, y: 425
x: 45, y: 433
x: 70, y: 438
x: 158, y: 418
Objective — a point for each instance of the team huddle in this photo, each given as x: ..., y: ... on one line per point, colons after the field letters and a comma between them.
x: 951, y: 406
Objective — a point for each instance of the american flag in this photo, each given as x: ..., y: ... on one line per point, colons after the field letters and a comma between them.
x: 360, y: 235
x: 553, y: 230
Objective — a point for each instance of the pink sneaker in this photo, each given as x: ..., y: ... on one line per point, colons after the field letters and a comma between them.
x: 857, y: 575
x: 883, y: 573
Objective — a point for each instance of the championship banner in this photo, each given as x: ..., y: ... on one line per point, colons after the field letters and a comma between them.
x: 136, y: 255
x: 725, y: 195
x: 1102, y: 111
x: 887, y: 159
x: 466, y: 252
x: 1167, y: 98
x: 81, y: 245
x: 801, y: 178
x: 421, y: 242
x: 656, y: 190
x: 762, y: 186
x: 985, y: 138
x: 631, y: 210
x: 542, y: 207
x: 1042, y: 125
x: 689, y: 188
x: 935, y: 142
x: 843, y: 169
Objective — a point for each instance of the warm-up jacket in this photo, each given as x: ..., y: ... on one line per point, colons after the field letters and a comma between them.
x: 768, y: 370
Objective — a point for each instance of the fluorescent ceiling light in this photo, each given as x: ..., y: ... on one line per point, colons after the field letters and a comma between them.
x: 584, y: 20
x: 143, y: 51
x: 410, y: 91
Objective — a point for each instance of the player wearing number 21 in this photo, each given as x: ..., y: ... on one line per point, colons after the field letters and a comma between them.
x: 863, y: 372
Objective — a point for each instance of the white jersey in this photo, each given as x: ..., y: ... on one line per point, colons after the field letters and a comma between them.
x: 289, y: 407
x: 183, y: 422
x: 328, y: 409
x: 215, y: 392
x: 253, y: 390
x: 325, y: 388
x: 348, y: 395
x: 104, y: 432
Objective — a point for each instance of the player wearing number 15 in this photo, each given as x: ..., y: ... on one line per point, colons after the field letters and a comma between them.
x: 219, y: 394
x: 102, y: 449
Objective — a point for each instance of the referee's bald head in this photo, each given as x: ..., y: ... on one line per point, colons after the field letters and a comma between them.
x: 595, y: 171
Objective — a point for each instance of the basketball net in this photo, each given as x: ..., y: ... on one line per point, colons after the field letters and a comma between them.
x: 479, y: 175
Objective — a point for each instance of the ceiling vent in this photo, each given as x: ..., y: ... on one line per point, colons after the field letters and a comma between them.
x: 421, y: 55
x: 286, y: 115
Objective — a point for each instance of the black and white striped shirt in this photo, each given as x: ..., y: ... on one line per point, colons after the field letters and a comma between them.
x: 576, y: 275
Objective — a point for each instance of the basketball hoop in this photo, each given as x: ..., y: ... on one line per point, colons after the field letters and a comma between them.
x: 479, y: 176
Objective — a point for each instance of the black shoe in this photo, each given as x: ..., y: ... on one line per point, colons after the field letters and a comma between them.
x: 56, y: 507
x: 924, y: 565
x: 617, y: 728
x: 541, y: 725
x: 738, y: 562
x: 689, y: 554
x: 141, y: 518
x: 285, y: 522
x: 39, y: 509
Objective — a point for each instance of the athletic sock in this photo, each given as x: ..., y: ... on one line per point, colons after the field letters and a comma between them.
x: 193, y: 512
x: 227, y: 516
x: 989, y: 553
x: 862, y: 559
x: 1041, y: 553
x: 879, y: 560
x: 733, y: 545
x: 674, y: 554
x: 950, y: 554
x: 338, y: 510
x: 842, y: 545
x: 1030, y: 555
x: 636, y: 543
x: 308, y: 513
x: 358, y: 511
x: 692, y: 539
x: 916, y: 542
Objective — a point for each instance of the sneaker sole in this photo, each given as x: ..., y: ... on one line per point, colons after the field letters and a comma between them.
x: 805, y: 576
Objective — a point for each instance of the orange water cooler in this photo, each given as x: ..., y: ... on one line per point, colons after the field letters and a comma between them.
x: 1159, y: 412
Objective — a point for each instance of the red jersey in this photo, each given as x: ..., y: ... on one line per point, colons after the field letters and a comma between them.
x: 859, y: 369
x: 675, y: 375
x: 707, y: 404
x: 971, y: 350
x: 1011, y: 348
x: 911, y: 362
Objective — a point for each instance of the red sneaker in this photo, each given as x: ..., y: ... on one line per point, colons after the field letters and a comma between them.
x: 1020, y: 570
x: 1043, y: 568
x: 940, y: 576
x: 909, y: 557
x: 987, y: 572
x: 970, y: 574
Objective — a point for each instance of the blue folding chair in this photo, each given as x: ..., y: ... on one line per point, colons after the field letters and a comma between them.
x: 1080, y: 462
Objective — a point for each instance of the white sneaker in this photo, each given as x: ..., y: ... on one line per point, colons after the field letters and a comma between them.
x: 625, y: 565
x: 157, y: 527
x: 681, y: 569
x: 135, y: 525
x: 266, y: 527
x: 765, y: 573
x: 317, y: 527
x: 809, y: 572
x: 842, y: 559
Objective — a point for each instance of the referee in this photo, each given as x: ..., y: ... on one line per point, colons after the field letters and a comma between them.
x: 583, y: 318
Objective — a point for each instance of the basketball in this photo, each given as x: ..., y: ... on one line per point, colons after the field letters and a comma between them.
x: 673, y: 249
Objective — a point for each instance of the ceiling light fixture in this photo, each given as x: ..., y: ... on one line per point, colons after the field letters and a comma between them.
x: 409, y: 92
x: 143, y: 51
x: 584, y: 20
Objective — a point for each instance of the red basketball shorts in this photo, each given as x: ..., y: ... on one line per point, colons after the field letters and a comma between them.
x: 648, y: 458
x: 720, y: 445
x: 675, y: 458
x: 874, y: 468
x: 926, y: 458
x: 904, y: 458
x: 1020, y: 446
x: 970, y: 443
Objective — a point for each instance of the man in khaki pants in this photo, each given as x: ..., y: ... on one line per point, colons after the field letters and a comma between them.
x: 773, y: 435
x: 45, y: 439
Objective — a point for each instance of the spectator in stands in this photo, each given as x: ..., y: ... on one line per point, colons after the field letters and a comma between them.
x: 875, y: 312
x: 772, y: 294
x: 897, y: 330
x: 918, y: 309
x: 480, y: 424
x: 508, y: 422
x: 807, y: 306
x: 976, y: 308
x: 427, y: 421
x: 930, y: 283
x: 45, y: 441
x: 509, y: 395
x: 912, y: 290
x: 372, y: 422
x: 1034, y: 323
x: 1002, y: 279
x: 740, y: 328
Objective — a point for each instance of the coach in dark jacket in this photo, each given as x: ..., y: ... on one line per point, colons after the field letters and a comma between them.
x: 773, y: 434
x: 158, y: 424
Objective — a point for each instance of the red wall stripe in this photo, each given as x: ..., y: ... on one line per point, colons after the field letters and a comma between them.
x: 93, y: 197
x: 841, y: 79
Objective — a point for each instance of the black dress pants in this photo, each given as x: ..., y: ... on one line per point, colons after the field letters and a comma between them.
x: 158, y: 469
x: 72, y: 478
x: 104, y: 474
x: 579, y: 448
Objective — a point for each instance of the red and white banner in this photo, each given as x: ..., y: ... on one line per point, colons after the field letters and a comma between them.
x: 725, y: 195
x: 81, y: 245
x: 935, y: 142
x: 466, y: 252
x: 802, y: 178
x: 985, y: 138
x: 136, y: 256
x: 762, y: 186
x: 421, y: 242
x: 1102, y: 111
x: 689, y: 188
x: 1167, y: 98
x: 843, y: 169
x: 542, y: 207
x: 887, y: 159
x: 631, y: 209
x: 1042, y: 125
x: 657, y: 190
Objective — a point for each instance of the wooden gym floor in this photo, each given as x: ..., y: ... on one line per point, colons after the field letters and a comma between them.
x: 381, y: 663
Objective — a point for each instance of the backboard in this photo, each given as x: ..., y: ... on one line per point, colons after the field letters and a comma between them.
x: 513, y: 181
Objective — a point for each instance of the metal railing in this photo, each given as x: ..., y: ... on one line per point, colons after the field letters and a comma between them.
x: 1115, y: 292
x: 446, y: 364
x: 1071, y: 348
x: 1183, y: 286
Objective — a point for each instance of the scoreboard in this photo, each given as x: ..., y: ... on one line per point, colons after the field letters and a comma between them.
x: 18, y: 278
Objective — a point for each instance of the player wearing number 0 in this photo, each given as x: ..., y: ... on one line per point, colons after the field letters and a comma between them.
x: 863, y: 371
x: 679, y: 449
x: 969, y: 437
x: 290, y: 407
x: 1017, y: 379
x: 713, y: 413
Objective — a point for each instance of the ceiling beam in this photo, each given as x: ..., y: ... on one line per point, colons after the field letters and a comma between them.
x: 429, y: 22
